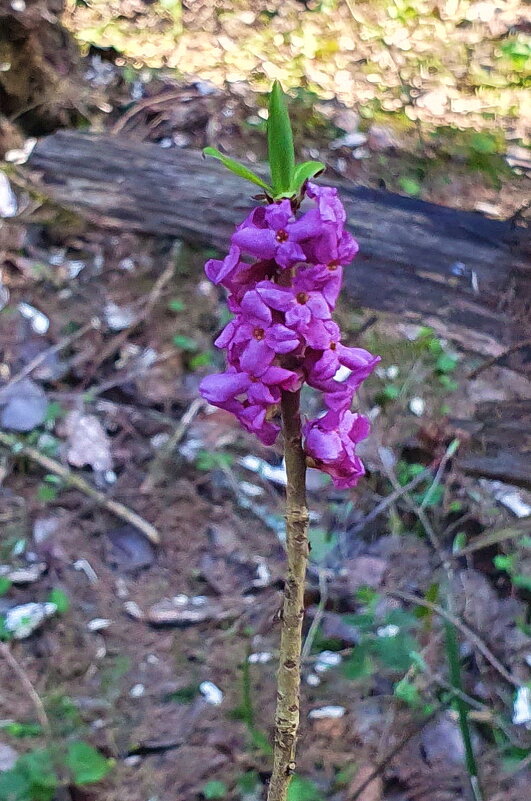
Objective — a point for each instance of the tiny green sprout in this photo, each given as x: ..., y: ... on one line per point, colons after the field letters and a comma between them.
x: 287, y: 178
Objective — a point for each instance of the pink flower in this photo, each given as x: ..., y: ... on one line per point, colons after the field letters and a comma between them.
x: 282, y: 333
x: 330, y: 442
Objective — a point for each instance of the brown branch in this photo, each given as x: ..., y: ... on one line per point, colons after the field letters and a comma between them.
x: 463, y: 628
x: 288, y: 680
x: 17, y: 446
x: 24, y: 679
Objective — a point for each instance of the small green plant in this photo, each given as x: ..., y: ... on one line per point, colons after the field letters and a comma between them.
x: 511, y: 565
x: 211, y: 460
x: 214, y: 790
x: 387, y: 640
x: 38, y: 774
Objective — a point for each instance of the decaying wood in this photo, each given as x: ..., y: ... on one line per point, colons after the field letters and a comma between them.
x: 462, y: 273
x: 500, y: 445
x: 41, y: 87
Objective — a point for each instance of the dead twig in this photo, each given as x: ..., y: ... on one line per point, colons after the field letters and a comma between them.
x: 165, y: 451
x: 467, y: 632
x: 18, y: 447
x: 489, y: 538
x: 389, y: 500
x: 24, y: 679
x: 495, y: 359
x: 94, y: 324
x: 316, y: 622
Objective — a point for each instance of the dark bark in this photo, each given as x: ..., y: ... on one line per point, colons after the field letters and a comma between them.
x: 463, y: 273
x: 500, y: 442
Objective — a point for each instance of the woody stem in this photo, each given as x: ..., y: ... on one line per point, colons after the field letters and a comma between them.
x: 288, y: 678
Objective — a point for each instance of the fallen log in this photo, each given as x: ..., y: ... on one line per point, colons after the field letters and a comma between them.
x: 500, y: 442
x: 461, y: 272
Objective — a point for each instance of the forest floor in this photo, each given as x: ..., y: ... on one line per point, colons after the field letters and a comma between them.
x: 162, y: 657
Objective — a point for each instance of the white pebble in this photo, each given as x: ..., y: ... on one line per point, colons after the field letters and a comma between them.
x: 327, y: 712
x: 98, y: 624
x: 388, y: 631
x: 137, y: 691
x: 211, y: 693
x: 39, y: 322
x: 260, y: 658
x: 417, y: 406
x: 522, y: 707
x: 326, y: 660
x: 312, y: 680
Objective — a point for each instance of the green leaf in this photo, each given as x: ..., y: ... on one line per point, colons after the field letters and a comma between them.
x: 410, y: 186
x: 303, y: 172
x: 60, y: 599
x: 20, y: 730
x: 46, y: 493
x: 360, y: 664
x: 14, y: 785
x: 36, y: 768
x: 184, y: 343
x: 395, y: 652
x: 446, y: 363
x: 236, y: 168
x: 281, y: 152
x: 483, y: 143
x: 5, y: 585
x: 86, y: 764
x: 303, y: 790
x: 248, y: 782
x: 522, y: 581
x: 176, y: 305
x: 214, y: 789
x: 407, y: 692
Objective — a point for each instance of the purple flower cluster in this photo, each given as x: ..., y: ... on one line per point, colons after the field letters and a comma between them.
x: 282, y: 333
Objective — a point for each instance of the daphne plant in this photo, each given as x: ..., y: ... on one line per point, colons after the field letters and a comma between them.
x: 283, y: 274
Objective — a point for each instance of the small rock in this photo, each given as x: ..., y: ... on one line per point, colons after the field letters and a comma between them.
x: 327, y: 712
x: 129, y: 550
x: 211, y: 693
x: 98, y: 624
x: 260, y: 658
x: 133, y: 610
x: 23, y: 575
x: 522, y: 707
x: 137, y: 691
x: 417, y: 406
x: 327, y: 660
x: 312, y: 680
x: 23, y: 620
x: 351, y: 140
x: 133, y: 760
x: 8, y: 755
x: 39, y: 322
x: 23, y: 405
x: 120, y: 318
x: 88, y: 444
x: 8, y: 200
x: 388, y: 631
